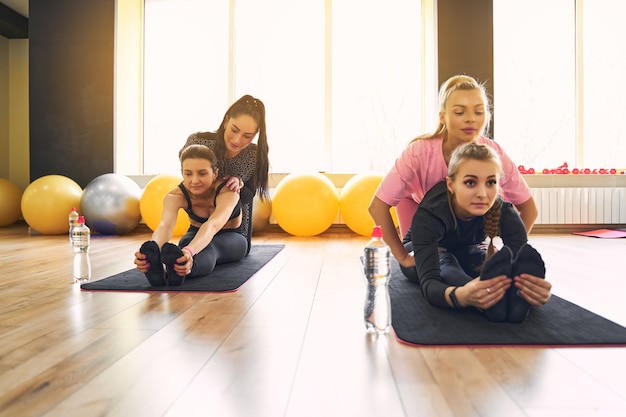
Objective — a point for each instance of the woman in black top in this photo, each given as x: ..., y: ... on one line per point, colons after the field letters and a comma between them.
x: 214, y: 235
x: 454, y: 218
x: 244, y: 165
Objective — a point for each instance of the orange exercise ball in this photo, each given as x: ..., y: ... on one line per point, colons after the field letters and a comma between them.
x: 10, y: 202
x: 305, y: 204
x: 47, y: 202
x: 354, y: 202
x: 151, y: 203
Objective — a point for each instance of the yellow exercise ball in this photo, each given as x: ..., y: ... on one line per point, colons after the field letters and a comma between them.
x: 10, y: 202
x: 355, y: 199
x: 261, y: 213
x: 305, y: 204
x: 47, y: 202
x: 151, y: 203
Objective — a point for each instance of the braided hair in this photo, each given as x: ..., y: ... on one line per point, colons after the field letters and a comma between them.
x: 492, y: 225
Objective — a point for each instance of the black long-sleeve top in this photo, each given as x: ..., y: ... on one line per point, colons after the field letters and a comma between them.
x: 433, y: 227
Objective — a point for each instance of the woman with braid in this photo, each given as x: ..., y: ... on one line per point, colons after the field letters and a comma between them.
x: 456, y: 215
x: 464, y: 117
x: 243, y: 164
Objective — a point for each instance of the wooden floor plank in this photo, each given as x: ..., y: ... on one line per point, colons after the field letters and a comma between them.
x: 58, y: 379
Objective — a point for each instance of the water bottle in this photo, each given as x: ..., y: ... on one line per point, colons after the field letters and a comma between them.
x: 80, y: 236
x: 82, y: 267
x: 80, y: 242
x: 73, y: 221
x: 376, y: 267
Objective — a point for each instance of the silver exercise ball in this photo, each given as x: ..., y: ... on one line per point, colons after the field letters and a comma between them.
x: 110, y: 204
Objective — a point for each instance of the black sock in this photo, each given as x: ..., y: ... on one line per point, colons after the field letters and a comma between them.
x: 527, y: 261
x: 498, y: 264
x: 170, y: 253
x: 155, y: 274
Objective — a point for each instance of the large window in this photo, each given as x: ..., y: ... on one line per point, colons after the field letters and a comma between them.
x: 604, y: 90
x: 558, y: 83
x: 348, y: 83
x: 342, y: 81
x: 186, y: 47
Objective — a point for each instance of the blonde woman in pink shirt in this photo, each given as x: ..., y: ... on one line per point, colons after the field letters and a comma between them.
x: 464, y: 116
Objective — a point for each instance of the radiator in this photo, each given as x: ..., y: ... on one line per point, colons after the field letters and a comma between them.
x: 580, y: 205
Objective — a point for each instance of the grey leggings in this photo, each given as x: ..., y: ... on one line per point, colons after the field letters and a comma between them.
x: 226, y: 246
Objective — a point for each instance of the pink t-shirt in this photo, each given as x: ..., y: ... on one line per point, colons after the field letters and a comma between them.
x: 421, y: 165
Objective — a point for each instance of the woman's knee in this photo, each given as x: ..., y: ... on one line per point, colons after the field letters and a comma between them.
x: 410, y: 274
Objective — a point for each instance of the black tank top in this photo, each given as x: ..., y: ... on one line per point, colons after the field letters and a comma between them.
x: 236, y: 211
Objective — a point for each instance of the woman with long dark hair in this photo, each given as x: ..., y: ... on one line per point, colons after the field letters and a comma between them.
x: 243, y: 164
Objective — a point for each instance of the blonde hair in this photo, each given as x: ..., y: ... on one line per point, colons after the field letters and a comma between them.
x: 452, y: 84
x: 477, y: 152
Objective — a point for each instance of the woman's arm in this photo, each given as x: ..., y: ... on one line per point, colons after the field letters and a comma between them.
x: 171, y: 204
x: 528, y: 213
x: 247, y: 192
x: 163, y: 232
x: 379, y: 210
x: 224, y: 205
x: 427, y: 230
x: 512, y: 228
x: 429, y: 274
x: 243, y: 179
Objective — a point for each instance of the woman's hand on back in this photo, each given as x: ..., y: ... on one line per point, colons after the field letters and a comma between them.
x: 234, y: 183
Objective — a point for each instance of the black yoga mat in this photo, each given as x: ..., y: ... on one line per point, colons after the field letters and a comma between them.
x: 225, y: 277
x: 557, y: 323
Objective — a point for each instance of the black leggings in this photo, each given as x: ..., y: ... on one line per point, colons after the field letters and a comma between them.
x: 226, y: 246
x: 456, y: 268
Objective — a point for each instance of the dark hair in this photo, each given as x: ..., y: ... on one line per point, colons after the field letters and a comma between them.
x: 199, y: 152
x: 254, y: 108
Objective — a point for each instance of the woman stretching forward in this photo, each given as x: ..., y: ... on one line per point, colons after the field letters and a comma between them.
x: 214, y: 235
x: 454, y: 218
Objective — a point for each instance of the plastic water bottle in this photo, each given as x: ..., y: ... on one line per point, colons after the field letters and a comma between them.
x: 81, y: 236
x: 376, y: 267
x: 73, y: 221
x: 80, y: 241
x: 82, y: 267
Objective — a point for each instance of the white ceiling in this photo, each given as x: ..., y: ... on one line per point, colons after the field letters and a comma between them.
x: 20, y: 6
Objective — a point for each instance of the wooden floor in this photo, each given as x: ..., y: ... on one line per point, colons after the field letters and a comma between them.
x: 289, y: 342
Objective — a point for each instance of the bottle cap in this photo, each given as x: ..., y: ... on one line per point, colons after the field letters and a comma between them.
x: 377, y: 231
x: 81, y: 219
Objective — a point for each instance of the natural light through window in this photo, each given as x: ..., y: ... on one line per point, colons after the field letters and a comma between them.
x: 555, y: 100
x: 185, y: 76
x: 604, y: 60
x: 279, y: 58
x: 341, y: 81
x: 535, y: 82
x: 376, y: 83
